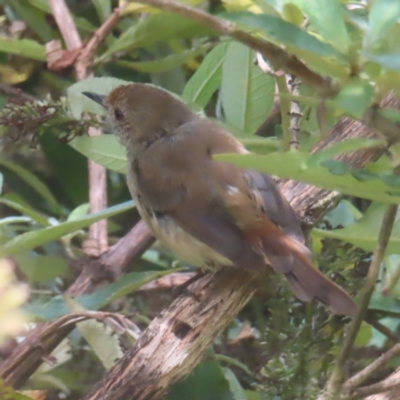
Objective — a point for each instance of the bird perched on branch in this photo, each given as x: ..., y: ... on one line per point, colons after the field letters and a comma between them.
x: 210, y: 213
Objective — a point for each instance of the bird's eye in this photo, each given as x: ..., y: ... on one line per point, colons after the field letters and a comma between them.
x: 118, y: 114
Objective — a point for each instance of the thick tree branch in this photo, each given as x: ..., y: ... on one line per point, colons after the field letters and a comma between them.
x: 175, y: 341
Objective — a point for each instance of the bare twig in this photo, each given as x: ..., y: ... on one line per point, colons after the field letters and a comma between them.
x: 334, y: 384
x: 98, y: 236
x: 380, y: 387
x: 363, y: 375
x: 13, y: 92
x: 295, y: 114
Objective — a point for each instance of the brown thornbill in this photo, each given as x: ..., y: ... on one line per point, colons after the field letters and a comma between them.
x: 210, y: 213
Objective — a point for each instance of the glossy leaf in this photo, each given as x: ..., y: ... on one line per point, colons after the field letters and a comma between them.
x: 246, y: 91
x: 207, y: 78
x: 331, y: 175
x: 34, y: 239
x: 364, y: 232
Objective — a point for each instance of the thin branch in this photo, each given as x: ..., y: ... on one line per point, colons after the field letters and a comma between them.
x: 363, y: 375
x: 14, y: 92
x: 381, y: 387
x: 383, y: 329
x: 98, y: 236
x: 336, y: 379
x: 65, y: 24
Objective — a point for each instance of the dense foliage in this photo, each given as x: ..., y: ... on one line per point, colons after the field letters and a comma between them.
x: 277, y: 348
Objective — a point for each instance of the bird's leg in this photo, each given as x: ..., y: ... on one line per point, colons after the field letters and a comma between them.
x: 183, y: 288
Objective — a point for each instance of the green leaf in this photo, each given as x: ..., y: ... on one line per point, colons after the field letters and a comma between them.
x: 23, y: 47
x: 103, y: 8
x: 247, y: 92
x: 326, y: 16
x: 364, y: 232
x: 56, y: 307
x: 353, y: 100
x: 389, y: 61
x: 346, y: 146
x: 207, y: 375
x: 364, y: 335
x: 382, y: 186
x: 283, y: 32
x: 27, y: 211
x: 167, y: 63
x: 206, y: 80
x: 103, y: 342
x: 33, y: 181
x: 79, y: 212
x: 79, y: 103
x: 34, y: 17
x: 41, y: 268
x: 34, y: 239
x: 234, y: 385
x: 155, y: 28
x: 382, y: 16
x: 104, y: 149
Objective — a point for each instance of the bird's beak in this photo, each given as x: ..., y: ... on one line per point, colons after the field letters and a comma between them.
x: 98, y: 98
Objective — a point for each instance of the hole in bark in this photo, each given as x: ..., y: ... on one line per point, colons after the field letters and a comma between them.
x: 181, y: 329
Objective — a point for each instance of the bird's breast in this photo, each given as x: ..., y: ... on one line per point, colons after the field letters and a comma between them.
x: 188, y: 248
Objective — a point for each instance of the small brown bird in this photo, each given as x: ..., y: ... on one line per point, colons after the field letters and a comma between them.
x: 210, y: 213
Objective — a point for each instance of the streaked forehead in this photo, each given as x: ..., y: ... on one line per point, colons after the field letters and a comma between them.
x: 118, y: 93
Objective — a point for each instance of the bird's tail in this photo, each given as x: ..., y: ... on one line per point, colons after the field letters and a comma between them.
x: 292, y: 259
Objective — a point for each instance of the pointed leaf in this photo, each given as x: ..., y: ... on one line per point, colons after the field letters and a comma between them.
x: 206, y: 80
x: 34, y: 239
x: 247, y: 92
x: 331, y: 175
x: 283, y: 32
x: 23, y: 47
